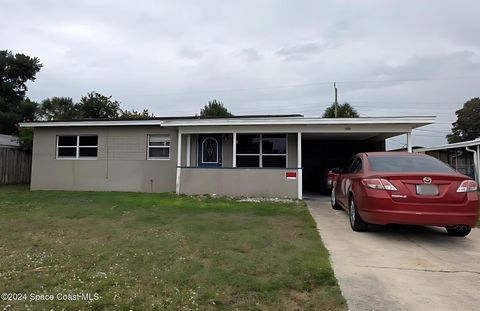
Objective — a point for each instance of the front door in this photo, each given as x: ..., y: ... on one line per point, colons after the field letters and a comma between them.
x: 209, y: 150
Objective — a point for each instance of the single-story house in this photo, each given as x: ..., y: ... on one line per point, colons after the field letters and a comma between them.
x: 271, y: 156
x: 463, y: 156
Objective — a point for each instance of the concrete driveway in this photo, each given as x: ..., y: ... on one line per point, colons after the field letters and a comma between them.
x: 400, y: 267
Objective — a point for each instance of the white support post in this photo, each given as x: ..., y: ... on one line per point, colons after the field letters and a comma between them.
x: 188, y: 150
x: 409, y: 141
x: 299, y: 166
x: 234, y: 148
x: 478, y: 163
x: 179, y: 161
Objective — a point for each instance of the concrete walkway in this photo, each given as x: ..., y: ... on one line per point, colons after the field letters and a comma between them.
x: 400, y: 267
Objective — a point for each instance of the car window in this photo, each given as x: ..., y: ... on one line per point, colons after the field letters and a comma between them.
x: 346, y: 168
x: 352, y: 166
x: 407, y: 164
x: 356, y: 165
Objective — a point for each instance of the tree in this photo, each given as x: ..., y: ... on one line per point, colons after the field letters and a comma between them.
x: 98, y: 106
x: 215, y: 109
x: 343, y: 111
x: 133, y: 114
x: 15, y: 71
x: 58, y: 108
x: 25, y: 138
x: 467, y: 126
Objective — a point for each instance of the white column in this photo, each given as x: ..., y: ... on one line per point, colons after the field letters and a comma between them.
x: 234, y: 148
x: 478, y: 164
x: 299, y: 166
x: 409, y: 141
x: 188, y: 150
x: 179, y: 161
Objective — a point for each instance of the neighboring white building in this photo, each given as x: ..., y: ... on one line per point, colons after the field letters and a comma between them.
x: 463, y: 156
x: 8, y: 141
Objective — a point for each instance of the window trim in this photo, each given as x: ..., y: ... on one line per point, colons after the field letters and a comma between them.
x: 159, y: 147
x: 76, y: 147
x: 261, y: 154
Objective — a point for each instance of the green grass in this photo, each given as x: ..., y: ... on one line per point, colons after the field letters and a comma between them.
x: 162, y: 252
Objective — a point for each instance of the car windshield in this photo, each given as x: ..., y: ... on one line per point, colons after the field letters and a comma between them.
x: 407, y: 164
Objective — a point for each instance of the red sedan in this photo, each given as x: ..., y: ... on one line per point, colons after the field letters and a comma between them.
x: 405, y: 188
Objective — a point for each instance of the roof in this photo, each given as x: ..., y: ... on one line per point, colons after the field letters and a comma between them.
x: 294, y: 119
x: 462, y: 144
x: 8, y: 141
x: 177, y: 118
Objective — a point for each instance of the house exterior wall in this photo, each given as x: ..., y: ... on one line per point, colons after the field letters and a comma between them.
x: 121, y: 164
x: 227, y: 150
x: 292, y: 150
x: 257, y: 182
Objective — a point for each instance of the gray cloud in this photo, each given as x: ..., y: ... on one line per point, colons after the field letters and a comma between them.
x: 299, y: 49
x: 389, y: 58
x: 189, y: 53
x: 250, y: 54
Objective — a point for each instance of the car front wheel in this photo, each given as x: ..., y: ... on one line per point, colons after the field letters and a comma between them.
x: 356, y: 222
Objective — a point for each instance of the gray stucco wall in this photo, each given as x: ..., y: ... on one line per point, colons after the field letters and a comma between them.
x: 121, y: 164
x: 292, y: 150
x: 238, y: 182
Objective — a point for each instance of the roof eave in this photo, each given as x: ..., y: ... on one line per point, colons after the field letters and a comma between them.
x: 462, y: 144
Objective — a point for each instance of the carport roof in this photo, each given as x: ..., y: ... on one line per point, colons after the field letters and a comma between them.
x: 412, y: 121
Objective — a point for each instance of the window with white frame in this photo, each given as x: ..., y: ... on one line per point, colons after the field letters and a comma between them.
x: 158, y: 147
x: 77, y: 147
x: 261, y: 150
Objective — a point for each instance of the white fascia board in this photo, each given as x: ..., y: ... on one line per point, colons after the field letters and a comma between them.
x: 91, y: 123
x: 451, y: 146
x: 415, y: 121
x: 412, y: 121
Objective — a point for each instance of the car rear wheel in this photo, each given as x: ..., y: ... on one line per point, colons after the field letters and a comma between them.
x: 356, y: 222
x: 333, y: 201
x: 458, y: 230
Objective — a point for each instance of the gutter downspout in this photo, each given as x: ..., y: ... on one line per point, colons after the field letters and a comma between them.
x: 475, y: 162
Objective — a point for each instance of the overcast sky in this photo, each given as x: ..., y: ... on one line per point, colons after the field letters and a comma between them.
x: 389, y: 58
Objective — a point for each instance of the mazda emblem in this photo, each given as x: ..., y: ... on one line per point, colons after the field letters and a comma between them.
x: 427, y: 180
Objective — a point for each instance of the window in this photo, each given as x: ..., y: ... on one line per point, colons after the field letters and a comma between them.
x: 274, y: 150
x: 77, y: 147
x: 261, y: 150
x: 408, y: 163
x: 158, y: 147
x: 356, y: 165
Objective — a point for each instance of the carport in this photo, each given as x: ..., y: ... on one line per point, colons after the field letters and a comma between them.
x: 322, y: 152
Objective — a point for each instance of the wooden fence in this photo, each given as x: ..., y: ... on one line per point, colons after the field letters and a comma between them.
x: 15, y: 166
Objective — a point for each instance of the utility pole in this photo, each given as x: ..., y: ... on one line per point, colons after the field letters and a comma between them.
x: 336, y: 101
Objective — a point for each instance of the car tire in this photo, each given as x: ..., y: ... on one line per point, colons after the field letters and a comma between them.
x: 356, y: 221
x: 333, y: 201
x: 459, y: 230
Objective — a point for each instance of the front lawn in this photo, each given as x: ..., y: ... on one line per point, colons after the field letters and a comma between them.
x: 161, y: 251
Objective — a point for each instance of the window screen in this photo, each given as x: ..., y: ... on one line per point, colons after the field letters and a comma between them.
x: 262, y: 150
x: 158, y: 147
x: 77, y: 147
